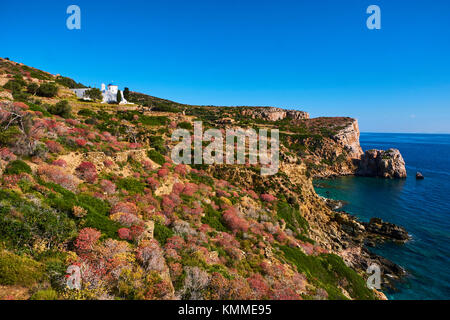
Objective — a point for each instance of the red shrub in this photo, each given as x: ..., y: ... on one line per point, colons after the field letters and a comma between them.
x: 60, y: 163
x: 181, y: 169
x: 58, y: 176
x: 235, y: 222
x: 177, y: 188
x: 108, y: 163
x: 153, y: 183
x: 163, y: 172
x: 124, y: 233
x: 80, y: 142
x: 125, y: 207
x: 86, y: 240
x: 20, y: 105
x: 259, y: 286
x: 87, y: 171
x: 189, y: 189
x: 7, y: 155
x: 54, y: 146
x: 268, y: 197
x: 108, y: 186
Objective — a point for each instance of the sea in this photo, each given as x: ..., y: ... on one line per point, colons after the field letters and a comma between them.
x: 420, y: 206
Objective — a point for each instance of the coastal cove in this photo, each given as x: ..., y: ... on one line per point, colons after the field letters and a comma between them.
x: 420, y: 206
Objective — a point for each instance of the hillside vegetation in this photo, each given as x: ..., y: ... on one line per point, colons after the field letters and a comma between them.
x: 93, y: 185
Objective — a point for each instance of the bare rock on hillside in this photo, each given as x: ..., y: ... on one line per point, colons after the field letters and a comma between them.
x: 274, y: 114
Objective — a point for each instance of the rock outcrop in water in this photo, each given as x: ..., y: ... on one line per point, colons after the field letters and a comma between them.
x: 380, y: 163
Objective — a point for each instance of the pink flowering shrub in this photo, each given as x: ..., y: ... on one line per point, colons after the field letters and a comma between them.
x: 108, y: 186
x: 60, y: 163
x: 87, y: 171
x: 268, y: 197
x: 153, y: 183
x: 108, y: 163
x: 86, y: 240
x: 124, y: 234
x: 125, y: 207
x: 234, y: 222
x: 58, y: 175
x: 181, y: 169
x: 80, y: 142
x: 7, y: 155
x: 163, y: 172
x: 53, y: 146
x: 189, y: 189
x: 259, y: 286
x: 151, y: 256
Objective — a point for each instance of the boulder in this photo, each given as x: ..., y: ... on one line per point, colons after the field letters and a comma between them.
x: 380, y: 163
x: 419, y: 176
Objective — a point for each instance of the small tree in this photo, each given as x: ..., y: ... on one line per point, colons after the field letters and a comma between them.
x: 126, y: 93
x: 94, y: 94
x: 119, y: 96
x: 32, y: 88
x: 48, y: 90
x: 61, y: 109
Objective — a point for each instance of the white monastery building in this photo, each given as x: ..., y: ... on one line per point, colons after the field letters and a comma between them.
x: 109, y: 94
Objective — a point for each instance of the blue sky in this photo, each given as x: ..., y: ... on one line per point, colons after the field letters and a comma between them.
x: 315, y: 55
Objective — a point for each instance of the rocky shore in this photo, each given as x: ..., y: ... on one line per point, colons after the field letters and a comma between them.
x: 361, y: 235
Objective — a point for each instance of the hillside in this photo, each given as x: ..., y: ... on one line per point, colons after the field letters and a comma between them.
x: 93, y: 185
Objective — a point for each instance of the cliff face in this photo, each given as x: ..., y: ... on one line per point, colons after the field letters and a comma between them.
x: 348, y: 138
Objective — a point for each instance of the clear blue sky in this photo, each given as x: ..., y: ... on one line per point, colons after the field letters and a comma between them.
x: 313, y: 55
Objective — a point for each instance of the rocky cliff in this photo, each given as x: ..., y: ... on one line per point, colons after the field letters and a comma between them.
x: 348, y: 138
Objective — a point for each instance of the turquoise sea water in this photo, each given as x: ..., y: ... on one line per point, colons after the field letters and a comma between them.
x: 421, y: 206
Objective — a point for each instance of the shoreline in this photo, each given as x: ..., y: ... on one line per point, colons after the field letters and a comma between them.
x: 360, y: 256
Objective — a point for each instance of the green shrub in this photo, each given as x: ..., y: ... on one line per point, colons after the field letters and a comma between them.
x: 16, y: 167
x: 15, y: 85
x: 32, y: 88
x: 132, y: 185
x: 292, y: 217
x: 213, y: 218
x: 153, y: 121
x: 17, y: 270
x: 62, y: 109
x: 162, y: 233
x: 328, y: 271
x: 185, y: 125
x: 70, y: 83
x: 94, y: 94
x: 9, y: 136
x: 87, y: 113
x: 48, y: 90
x: 156, y: 157
x: 48, y: 294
